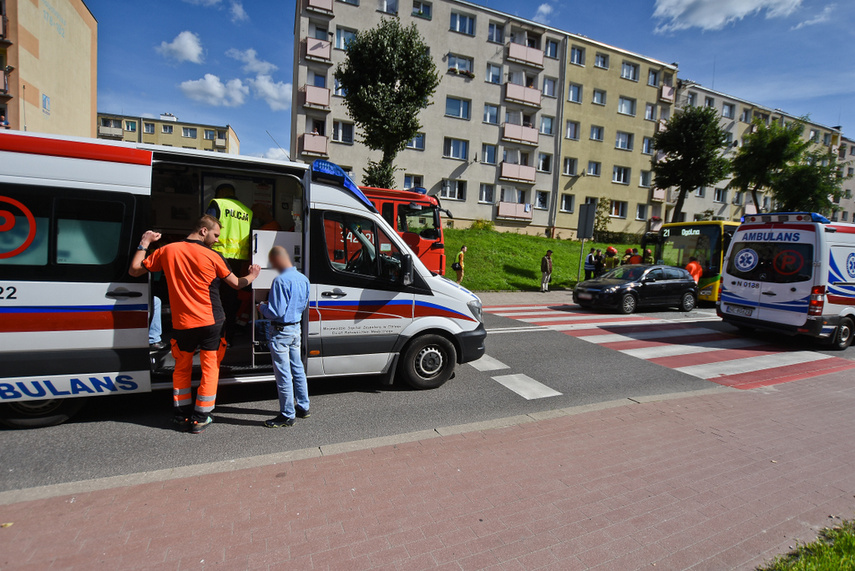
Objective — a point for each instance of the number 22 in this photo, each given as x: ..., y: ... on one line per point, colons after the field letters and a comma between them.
x: 9, y: 293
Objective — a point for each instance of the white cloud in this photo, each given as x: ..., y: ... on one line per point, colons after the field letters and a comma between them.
x: 716, y: 14
x: 821, y: 18
x: 185, y: 47
x: 238, y: 13
x: 251, y: 62
x: 206, y: 3
x: 276, y: 94
x: 544, y: 11
x: 277, y: 154
x: 210, y: 90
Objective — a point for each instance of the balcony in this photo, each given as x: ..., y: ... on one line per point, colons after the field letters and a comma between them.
x: 111, y: 132
x: 318, y: 50
x: 220, y: 143
x: 316, y: 97
x: 659, y: 195
x: 514, y: 211
x: 4, y: 27
x: 661, y: 125
x: 525, y: 55
x: 313, y: 145
x: 666, y: 93
x: 320, y: 6
x: 522, y: 94
x: 518, y: 173
x: 520, y: 134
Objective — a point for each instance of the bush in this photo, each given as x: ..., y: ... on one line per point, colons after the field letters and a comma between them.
x: 483, y: 225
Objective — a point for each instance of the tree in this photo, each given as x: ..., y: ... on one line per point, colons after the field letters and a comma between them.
x: 388, y: 77
x: 602, y: 215
x: 767, y: 150
x: 812, y: 184
x: 692, y: 143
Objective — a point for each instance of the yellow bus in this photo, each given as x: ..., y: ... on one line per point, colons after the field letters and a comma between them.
x: 705, y: 240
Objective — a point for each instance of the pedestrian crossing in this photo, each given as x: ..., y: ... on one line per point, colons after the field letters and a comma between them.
x: 681, y: 343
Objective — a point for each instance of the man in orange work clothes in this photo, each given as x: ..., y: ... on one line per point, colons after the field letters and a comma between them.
x: 193, y: 272
x: 694, y: 267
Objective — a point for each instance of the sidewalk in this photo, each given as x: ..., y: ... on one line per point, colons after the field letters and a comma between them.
x: 719, y: 481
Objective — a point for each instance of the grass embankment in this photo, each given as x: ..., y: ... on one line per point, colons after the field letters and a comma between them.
x: 834, y: 550
x: 503, y: 261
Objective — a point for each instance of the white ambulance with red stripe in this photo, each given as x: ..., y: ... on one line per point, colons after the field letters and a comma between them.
x: 791, y: 272
x: 75, y: 324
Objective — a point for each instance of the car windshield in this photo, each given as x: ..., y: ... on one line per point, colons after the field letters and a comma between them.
x: 625, y: 273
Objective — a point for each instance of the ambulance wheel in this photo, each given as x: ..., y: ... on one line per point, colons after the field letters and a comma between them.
x: 843, y: 335
x: 39, y: 413
x: 428, y: 362
x: 688, y: 303
x: 628, y: 304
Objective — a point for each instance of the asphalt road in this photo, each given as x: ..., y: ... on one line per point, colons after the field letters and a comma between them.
x: 129, y: 434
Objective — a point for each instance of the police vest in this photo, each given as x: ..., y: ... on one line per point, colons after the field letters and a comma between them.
x: 236, y: 227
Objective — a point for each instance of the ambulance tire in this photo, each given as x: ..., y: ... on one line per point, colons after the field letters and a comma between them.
x: 40, y: 413
x: 843, y: 334
x: 428, y: 362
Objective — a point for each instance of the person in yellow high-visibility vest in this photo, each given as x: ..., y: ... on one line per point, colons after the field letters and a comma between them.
x: 236, y: 229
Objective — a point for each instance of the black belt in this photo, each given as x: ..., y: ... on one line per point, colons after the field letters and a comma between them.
x: 278, y: 324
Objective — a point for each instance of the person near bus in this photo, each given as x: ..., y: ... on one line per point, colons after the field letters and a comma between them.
x: 611, y: 261
x: 648, y: 257
x: 546, y: 271
x: 193, y: 272
x: 590, y: 264
x: 635, y: 258
x: 288, y: 299
x: 694, y: 267
x: 460, y: 265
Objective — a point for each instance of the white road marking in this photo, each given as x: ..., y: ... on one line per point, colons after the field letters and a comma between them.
x: 526, y: 387
x: 598, y: 324
x: 526, y: 329
x: 644, y: 335
x: 487, y: 363
x: 701, y: 347
x: 738, y: 366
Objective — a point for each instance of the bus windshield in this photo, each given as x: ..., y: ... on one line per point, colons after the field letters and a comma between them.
x: 702, y: 241
x: 423, y: 221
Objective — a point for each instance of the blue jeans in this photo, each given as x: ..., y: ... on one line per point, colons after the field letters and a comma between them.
x: 155, y: 328
x: 288, y: 369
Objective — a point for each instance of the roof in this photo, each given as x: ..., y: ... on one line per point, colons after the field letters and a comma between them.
x: 142, y: 118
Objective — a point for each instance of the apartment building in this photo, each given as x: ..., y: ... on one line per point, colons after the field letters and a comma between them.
x: 615, y: 102
x: 721, y: 202
x: 846, y: 161
x: 49, y: 63
x: 169, y: 131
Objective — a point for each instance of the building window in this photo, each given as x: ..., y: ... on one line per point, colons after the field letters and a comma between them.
x: 570, y: 166
x: 601, y: 61
x: 644, y: 180
x: 626, y: 106
x: 463, y: 23
x: 552, y: 49
x: 728, y: 110
x: 599, y: 97
x: 413, y: 181
x: 544, y: 162
x: 343, y: 37
x: 737, y: 198
x: 488, y: 154
x: 456, y: 149
x: 113, y: 123
x: 131, y: 126
x: 453, y: 189
x: 720, y: 195
x: 650, y: 111
x: 577, y: 55
x: 461, y: 63
x: 515, y: 195
x: 826, y: 139
x: 691, y: 99
x: 568, y: 202
x: 653, y: 78
x: 167, y: 129
x: 422, y: 9
x: 745, y: 117
x: 700, y: 192
x: 547, y: 125
x: 709, y: 102
x: 617, y: 209
x: 541, y: 200
x: 641, y: 211
x: 621, y: 175
x: 629, y: 71
x: 624, y: 141
x: 647, y: 145
x: 574, y: 93
x: 457, y: 108
x: 417, y: 142
x: 351, y: 2
x: 188, y: 132
x: 491, y: 114
x: 594, y: 168
x: 209, y: 134
x: 596, y: 133
x: 573, y: 130
x: 148, y: 128
x: 496, y: 33
x: 342, y: 132
x: 549, y: 84
x: 494, y: 73
x: 487, y: 194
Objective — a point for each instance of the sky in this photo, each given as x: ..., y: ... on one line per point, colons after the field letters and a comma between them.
x: 230, y: 61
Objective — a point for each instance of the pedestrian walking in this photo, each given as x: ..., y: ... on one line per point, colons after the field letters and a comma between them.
x: 545, y: 271
x: 193, y: 272
x: 460, y: 265
x: 695, y: 269
x: 590, y: 264
x: 288, y: 299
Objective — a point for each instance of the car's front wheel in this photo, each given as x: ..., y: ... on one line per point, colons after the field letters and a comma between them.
x: 628, y: 304
x: 688, y: 302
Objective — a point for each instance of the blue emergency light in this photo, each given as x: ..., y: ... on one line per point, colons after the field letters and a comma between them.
x: 786, y: 217
x: 326, y: 171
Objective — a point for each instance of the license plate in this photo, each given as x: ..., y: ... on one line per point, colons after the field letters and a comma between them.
x: 585, y: 296
x: 739, y: 310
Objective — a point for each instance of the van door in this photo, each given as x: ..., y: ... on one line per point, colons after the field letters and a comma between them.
x: 363, y: 307
x: 740, y: 294
x: 73, y: 322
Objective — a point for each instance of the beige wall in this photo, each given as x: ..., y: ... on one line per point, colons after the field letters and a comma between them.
x: 132, y: 129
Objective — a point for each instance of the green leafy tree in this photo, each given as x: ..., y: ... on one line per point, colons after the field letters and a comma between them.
x: 388, y: 78
x: 767, y: 150
x: 812, y: 184
x: 601, y: 215
x: 692, y: 144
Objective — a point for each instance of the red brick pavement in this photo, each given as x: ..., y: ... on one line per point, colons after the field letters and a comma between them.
x: 719, y: 481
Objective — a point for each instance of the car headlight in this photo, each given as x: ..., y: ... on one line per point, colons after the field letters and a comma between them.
x: 612, y: 289
x: 475, y: 308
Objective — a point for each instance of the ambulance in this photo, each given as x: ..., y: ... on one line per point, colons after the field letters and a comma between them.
x: 791, y: 272
x: 74, y: 324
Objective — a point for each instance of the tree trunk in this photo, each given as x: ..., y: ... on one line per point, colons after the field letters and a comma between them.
x: 754, y: 197
x: 678, y: 208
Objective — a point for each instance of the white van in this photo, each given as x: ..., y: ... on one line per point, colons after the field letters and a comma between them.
x: 794, y: 273
x: 74, y: 323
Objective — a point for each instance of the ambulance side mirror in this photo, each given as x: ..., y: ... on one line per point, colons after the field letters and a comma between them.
x: 407, y: 270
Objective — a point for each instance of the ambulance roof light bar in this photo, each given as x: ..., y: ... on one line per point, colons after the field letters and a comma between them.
x: 787, y: 217
x: 326, y: 171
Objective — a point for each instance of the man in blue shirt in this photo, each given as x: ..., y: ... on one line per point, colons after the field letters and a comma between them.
x: 289, y: 296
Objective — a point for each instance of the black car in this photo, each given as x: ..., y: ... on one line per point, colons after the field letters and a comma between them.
x: 627, y: 288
